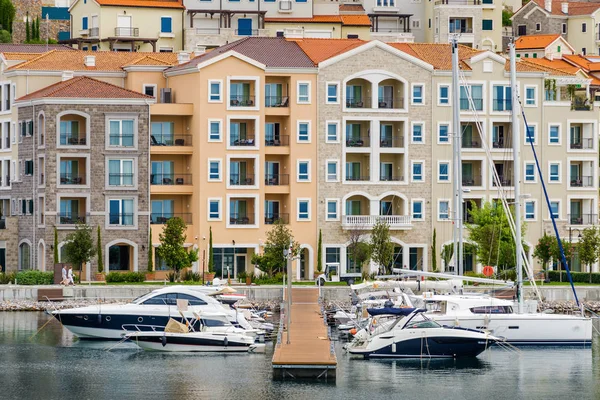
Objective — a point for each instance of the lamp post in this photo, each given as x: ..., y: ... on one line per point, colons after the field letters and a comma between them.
x: 234, y: 263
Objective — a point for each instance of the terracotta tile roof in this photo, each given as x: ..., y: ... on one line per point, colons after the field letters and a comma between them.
x: 321, y: 49
x: 19, y: 56
x: 526, y: 65
x: 535, y: 41
x: 588, y: 63
x: 439, y: 55
x: 150, y: 60
x: 105, y: 60
x: 351, y: 8
x: 575, y: 7
x: 561, y: 65
x: 272, y: 52
x: 31, y: 48
x: 143, y: 3
x: 350, y: 20
x: 83, y: 87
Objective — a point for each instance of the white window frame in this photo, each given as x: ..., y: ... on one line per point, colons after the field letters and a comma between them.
x: 220, y: 162
x: 439, y: 96
x: 535, y: 210
x: 119, y: 117
x: 254, y: 118
x: 412, y: 163
x: 337, y: 131
x: 448, y: 124
x: 88, y: 136
x: 535, y: 174
x: 536, y: 133
x: 336, y: 162
x: 412, y: 209
x: 257, y: 94
x: 412, y: 132
x: 337, y: 92
x: 535, y: 95
x: 220, y: 83
x: 309, y: 131
x: 298, y: 100
x: 412, y: 92
x: 153, y: 86
x: 298, y: 162
x: 244, y: 197
x: 559, y: 125
x: 88, y: 172
x: 559, y: 163
x: 107, y: 225
x: 125, y: 157
x: 439, y: 210
x: 337, y: 209
x: 439, y: 164
x: 220, y: 122
x: 559, y: 209
x: 301, y: 200
x: 245, y: 157
x: 219, y: 201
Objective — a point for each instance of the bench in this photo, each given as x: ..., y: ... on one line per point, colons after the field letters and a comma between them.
x: 50, y: 294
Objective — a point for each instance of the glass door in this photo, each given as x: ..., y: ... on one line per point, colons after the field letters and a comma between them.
x: 353, y: 207
x: 386, y: 131
x: 386, y: 171
x: 271, y: 211
x: 575, y: 136
x: 576, y: 217
x: 385, y: 208
x: 271, y: 173
x: 273, y: 93
x: 353, y: 171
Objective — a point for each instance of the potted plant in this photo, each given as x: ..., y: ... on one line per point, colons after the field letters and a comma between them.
x: 210, y: 275
x: 150, y: 274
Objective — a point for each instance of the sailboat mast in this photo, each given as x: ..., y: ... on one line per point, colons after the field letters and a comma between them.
x: 457, y: 164
x: 516, y: 173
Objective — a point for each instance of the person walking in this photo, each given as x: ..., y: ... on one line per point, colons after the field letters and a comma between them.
x: 64, y: 276
x: 70, y: 277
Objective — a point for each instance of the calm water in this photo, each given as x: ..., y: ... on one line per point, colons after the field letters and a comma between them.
x: 55, y: 365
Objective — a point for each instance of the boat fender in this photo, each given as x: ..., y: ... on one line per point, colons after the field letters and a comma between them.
x: 225, y: 341
x: 353, y: 331
x: 164, y: 340
x: 99, y: 318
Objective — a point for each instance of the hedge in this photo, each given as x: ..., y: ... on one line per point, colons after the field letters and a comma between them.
x: 583, y: 277
x: 6, y: 278
x: 114, y: 277
x: 34, y: 277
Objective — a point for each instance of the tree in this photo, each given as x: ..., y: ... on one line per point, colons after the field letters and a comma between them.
x: 150, y: 247
x: 27, y: 29
x: 272, y: 261
x: 320, y: 253
x: 7, y: 15
x: 55, y: 246
x: 433, y: 251
x: 171, y: 247
x: 543, y: 250
x: 506, y: 15
x: 37, y: 28
x: 5, y: 36
x: 381, y: 247
x: 588, y: 247
x: 358, y: 251
x: 211, y: 261
x: 447, y: 253
x: 99, y: 247
x: 79, y: 247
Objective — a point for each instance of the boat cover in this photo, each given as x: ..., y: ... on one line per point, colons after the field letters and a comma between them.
x: 393, y: 311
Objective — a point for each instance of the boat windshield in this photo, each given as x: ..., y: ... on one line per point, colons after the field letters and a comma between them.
x: 492, y: 310
x: 215, y: 321
x: 170, y: 299
x: 420, y: 321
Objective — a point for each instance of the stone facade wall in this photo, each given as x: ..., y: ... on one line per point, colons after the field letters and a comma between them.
x: 549, y: 25
x: 374, y: 59
x: 445, y: 13
x: 10, y: 236
x: 34, y: 8
x: 95, y: 189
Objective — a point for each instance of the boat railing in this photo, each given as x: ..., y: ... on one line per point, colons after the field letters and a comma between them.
x: 136, y: 328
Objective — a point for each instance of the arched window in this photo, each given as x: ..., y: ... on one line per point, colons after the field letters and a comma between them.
x: 24, y: 256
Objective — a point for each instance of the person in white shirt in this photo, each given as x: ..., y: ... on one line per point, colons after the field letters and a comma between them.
x: 64, y: 276
x: 70, y: 277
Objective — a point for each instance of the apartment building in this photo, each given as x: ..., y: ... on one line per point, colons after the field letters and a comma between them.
x: 575, y: 21
x: 82, y: 158
x: 127, y: 25
x: 543, y: 46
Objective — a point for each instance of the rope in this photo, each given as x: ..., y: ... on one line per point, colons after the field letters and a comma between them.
x: 43, y: 326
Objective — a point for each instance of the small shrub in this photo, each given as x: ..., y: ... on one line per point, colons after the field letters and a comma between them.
x: 34, y: 277
x: 6, y: 278
x: 171, y: 276
x: 266, y: 280
x: 473, y: 274
x: 130, y: 277
x: 508, y: 275
x: 190, y: 276
x: 582, y: 277
x: 115, y: 277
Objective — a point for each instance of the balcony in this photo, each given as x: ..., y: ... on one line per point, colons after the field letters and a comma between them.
x: 121, y: 219
x: 391, y: 178
x: 502, y: 104
x: 277, y: 179
x: 582, y: 219
x: 241, y: 219
x: 277, y: 141
x: 581, y: 103
x: 120, y: 180
x: 501, y: 136
x: 469, y: 143
x: 73, y: 140
x: 241, y: 179
x: 72, y: 179
x: 358, y: 178
x: 171, y: 183
x: 94, y: 32
x: 127, y: 32
x: 358, y: 141
x: 391, y: 142
x: 244, y: 141
x: 582, y: 181
x: 395, y: 222
x: 390, y: 102
x: 358, y: 102
x: 171, y: 140
x: 505, y: 181
x: 581, y: 144
x: 392, y: 34
x: 474, y: 180
x: 161, y: 219
x: 271, y: 218
x: 276, y: 101
x: 71, y: 218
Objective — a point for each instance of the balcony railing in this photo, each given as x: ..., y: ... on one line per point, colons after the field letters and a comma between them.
x: 127, y: 32
x: 504, y: 181
x: 246, y: 32
x: 471, y: 180
x: 358, y: 102
x: 241, y: 179
x: 94, y: 32
x: 368, y: 221
x: 121, y: 140
x: 170, y: 140
x: 276, y: 101
x: 161, y: 219
x: 72, y: 179
x: 582, y: 181
x: 391, y: 178
x: 271, y: 218
x: 208, y: 31
x: 248, y: 140
x: 470, y: 144
x: 171, y: 179
x: 391, y: 142
x: 460, y: 30
x: 463, y: 2
x: 582, y: 219
x: 502, y: 104
x: 71, y: 219
x: 358, y: 141
x: 277, y: 179
x: 120, y: 179
x: 241, y: 219
x: 69, y: 140
x: 582, y: 144
x: 277, y: 140
x: 502, y: 144
x: 390, y: 102
x: 358, y: 178
x: 120, y: 219
x: 240, y: 100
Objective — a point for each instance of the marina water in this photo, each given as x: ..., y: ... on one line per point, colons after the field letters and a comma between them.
x: 56, y: 365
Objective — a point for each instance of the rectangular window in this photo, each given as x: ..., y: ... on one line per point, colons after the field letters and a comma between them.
x: 214, y: 209
x: 120, y: 172
x: 583, y: 27
x: 304, y: 132
x: 529, y: 210
x: 28, y: 167
x: 502, y: 98
x: 214, y: 94
x: 417, y: 209
x: 554, y: 173
x: 443, y: 134
x: 554, y: 135
x: 555, y: 209
x: 530, y: 172
x: 444, y: 95
x: 214, y: 170
x: 417, y: 133
x: 303, y: 93
x: 564, y: 28
x: 417, y: 172
x: 166, y: 25
x: 214, y: 134
x: 84, y: 23
x: 443, y: 209
x: 332, y: 131
x: 303, y: 210
x: 332, y: 93
x: 121, y: 212
x: 487, y: 25
x: 471, y: 98
x: 530, y: 135
x: 417, y: 94
x: 150, y: 90
x: 443, y: 173
x: 332, y: 210
x: 530, y: 96
x: 303, y: 171
x: 121, y: 133
x: 332, y: 171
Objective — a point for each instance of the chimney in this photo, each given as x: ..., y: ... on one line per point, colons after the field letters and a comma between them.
x: 66, y: 75
x: 183, y: 57
x: 548, y: 5
x: 90, y: 61
x: 199, y: 50
x: 565, y: 8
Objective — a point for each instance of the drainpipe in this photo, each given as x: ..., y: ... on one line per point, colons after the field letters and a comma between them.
x: 148, y: 202
x: 34, y: 188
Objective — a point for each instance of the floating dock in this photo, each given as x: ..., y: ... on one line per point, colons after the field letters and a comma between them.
x: 310, y: 353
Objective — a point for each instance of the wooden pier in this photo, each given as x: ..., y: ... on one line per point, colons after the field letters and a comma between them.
x: 309, y: 354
